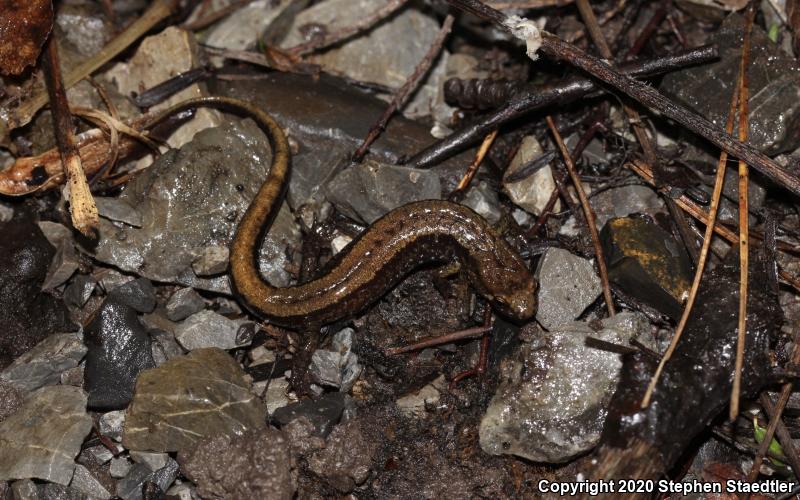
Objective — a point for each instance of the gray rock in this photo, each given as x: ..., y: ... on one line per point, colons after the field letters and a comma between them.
x: 164, y: 347
x: 568, y: 284
x: 209, y: 329
x: 100, y: 454
x: 183, y: 304
x: 11, y: 399
x: 111, y: 424
x: 191, y: 199
x: 774, y: 82
x: 115, y: 209
x: 257, y: 464
x: 154, y: 461
x: 44, y: 436
x: 51, y: 491
x: 211, y: 261
x: 120, y: 467
x: 483, y: 199
x: 24, y: 489
x: 138, y: 294
x: 74, y: 376
x: 373, y: 55
x: 6, y: 212
x: 80, y: 289
x: 188, y: 399
x: 533, y: 192
x: 346, y: 460
x: 84, y: 482
x: 553, y: 395
x: 110, y: 279
x: 184, y: 491
x: 369, y: 190
x: 65, y: 262
x: 44, y: 364
x: 130, y: 487
x: 338, y: 368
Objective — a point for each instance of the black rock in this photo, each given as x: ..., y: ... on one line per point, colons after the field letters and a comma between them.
x: 324, y: 412
x: 138, y: 294
x: 27, y: 314
x: 119, y: 348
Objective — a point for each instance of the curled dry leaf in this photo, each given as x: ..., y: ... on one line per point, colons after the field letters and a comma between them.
x: 24, y: 27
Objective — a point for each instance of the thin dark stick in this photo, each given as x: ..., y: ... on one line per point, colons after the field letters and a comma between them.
x: 469, y: 333
x: 784, y: 437
x: 646, y: 32
x: 591, y: 220
x: 556, y: 48
x: 411, y: 83
x: 540, y: 96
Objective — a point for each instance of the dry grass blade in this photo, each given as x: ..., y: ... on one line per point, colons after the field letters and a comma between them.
x: 588, y: 213
x: 744, y: 243
x: 708, y: 236
x: 463, y: 184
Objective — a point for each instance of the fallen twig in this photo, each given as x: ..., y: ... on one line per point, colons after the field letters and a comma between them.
x: 463, y: 184
x: 591, y: 220
x: 81, y: 203
x: 401, y: 96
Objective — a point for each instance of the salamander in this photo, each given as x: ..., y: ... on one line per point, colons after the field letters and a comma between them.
x: 404, y: 239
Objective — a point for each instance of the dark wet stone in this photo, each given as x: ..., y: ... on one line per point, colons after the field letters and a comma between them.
x: 27, y: 314
x: 191, y: 199
x: 119, y: 349
x: 80, y: 289
x: 202, y: 394
x: 65, y: 262
x: 552, y: 399
x: 346, y: 460
x: 44, y: 436
x: 773, y: 81
x: 130, y: 487
x: 257, y: 464
x: 44, y: 364
x: 367, y: 191
x: 138, y: 294
x: 184, y: 303
x: 324, y: 412
x: 568, y: 284
x: 695, y: 385
x: 11, y: 399
x: 647, y: 263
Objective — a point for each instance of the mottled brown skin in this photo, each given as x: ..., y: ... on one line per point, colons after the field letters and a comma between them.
x: 415, y: 234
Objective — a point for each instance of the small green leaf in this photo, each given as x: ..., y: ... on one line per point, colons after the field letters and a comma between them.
x: 773, y: 32
x: 774, y: 447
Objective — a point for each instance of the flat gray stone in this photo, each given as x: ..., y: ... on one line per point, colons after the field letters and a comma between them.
x: 44, y: 364
x: 533, y: 192
x: 120, y: 467
x: 183, y: 304
x: 568, y: 284
x: 153, y: 461
x: 65, y: 262
x: 25, y: 489
x: 484, y: 200
x: 188, y: 399
x: 191, y: 199
x: 209, y: 329
x: 369, y: 190
x: 115, y: 209
x: 111, y: 424
x: 553, y: 396
x: 42, y: 439
x: 211, y: 261
x: 130, y: 487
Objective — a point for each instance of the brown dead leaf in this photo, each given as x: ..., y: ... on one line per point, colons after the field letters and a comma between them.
x: 24, y: 26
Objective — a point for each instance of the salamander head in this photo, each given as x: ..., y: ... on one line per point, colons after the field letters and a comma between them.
x: 519, y: 301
